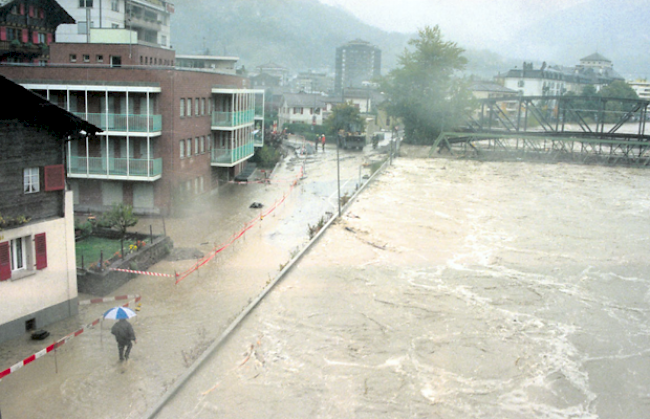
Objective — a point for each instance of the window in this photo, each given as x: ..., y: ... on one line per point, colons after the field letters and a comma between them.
x: 42, y: 39
x: 189, y: 107
x: 85, y: 3
x: 163, y: 40
x: 182, y: 109
x: 41, y: 14
x: 196, y: 145
x: 115, y: 6
x: 17, y: 255
x: 202, y: 106
x: 73, y: 58
x: 116, y: 60
x: 82, y: 28
x: 116, y: 26
x: 86, y: 58
x: 100, y: 58
x: 202, y: 145
x: 17, y: 251
x: 520, y: 83
x: 31, y: 182
x: 188, y: 146
x: 181, y: 143
x: 12, y: 34
x: 197, y: 104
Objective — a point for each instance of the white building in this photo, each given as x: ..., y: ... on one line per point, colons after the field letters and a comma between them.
x: 145, y: 22
x: 594, y: 70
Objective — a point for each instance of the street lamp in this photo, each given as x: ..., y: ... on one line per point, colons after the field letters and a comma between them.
x: 338, y: 171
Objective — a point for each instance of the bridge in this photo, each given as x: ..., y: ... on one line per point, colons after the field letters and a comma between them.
x: 556, y: 128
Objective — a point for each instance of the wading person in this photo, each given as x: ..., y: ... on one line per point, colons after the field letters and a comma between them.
x: 124, y: 334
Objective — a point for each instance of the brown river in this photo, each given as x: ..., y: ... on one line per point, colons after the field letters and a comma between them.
x: 449, y: 289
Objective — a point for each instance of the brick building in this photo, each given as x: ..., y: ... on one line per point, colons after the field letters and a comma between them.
x: 169, y: 133
x: 38, y: 283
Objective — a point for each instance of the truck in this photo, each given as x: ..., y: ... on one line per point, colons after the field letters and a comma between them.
x: 352, y: 140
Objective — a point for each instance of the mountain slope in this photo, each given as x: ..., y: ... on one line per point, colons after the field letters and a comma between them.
x: 298, y: 34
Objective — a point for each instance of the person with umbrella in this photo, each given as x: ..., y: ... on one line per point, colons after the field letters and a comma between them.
x: 122, y: 330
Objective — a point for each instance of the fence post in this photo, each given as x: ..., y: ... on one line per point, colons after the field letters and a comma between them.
x: 151, y: 233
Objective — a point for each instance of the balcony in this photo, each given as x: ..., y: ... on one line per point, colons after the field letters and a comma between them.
x: 124, y: 122
x: 258, y: 138
x: 259, y: 111
x: 228, y: 157
x: 232, y: 119
x: 114, y: 168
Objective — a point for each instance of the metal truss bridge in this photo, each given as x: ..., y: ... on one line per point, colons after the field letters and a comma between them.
x: 557, y: 128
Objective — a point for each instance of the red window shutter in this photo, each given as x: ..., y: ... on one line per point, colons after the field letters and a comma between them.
x: 31, y: 11
x: 22, y: 9
x: 35, y: 37
x: 3, y: 33
x: 54, y: 178
x: 49, y: 38
x: 5, y: 262
x: 25, y: 36
x: 41, y: 251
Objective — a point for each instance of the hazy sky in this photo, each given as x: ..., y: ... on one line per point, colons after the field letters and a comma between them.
x: 471, y: 22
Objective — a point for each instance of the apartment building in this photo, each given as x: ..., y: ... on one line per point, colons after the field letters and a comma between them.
x: 145, y: 22
x: 38, y: 283
x: 169, y: 133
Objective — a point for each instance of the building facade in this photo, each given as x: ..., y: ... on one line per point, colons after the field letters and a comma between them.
x: 27, y: 29
x: 594, y: 70
x: 38, y: 283
x: 170, y: 134
x: 144, y: 22
x: 356, y: 62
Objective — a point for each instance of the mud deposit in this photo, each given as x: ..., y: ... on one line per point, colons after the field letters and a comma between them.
x: 455, y: 289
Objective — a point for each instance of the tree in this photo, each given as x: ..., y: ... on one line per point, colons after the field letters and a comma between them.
x: 620, y: 90
x: 345, y: 117
x: 423, y: 91
x: 120, y: 217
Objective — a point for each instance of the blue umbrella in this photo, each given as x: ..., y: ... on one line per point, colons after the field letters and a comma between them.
x: 117, y: 313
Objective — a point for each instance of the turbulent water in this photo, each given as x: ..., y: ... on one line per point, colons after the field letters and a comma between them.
x: 455, y: 289
x: 450, y: 289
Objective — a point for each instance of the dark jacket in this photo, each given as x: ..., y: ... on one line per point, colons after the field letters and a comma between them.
x: 123, y: 332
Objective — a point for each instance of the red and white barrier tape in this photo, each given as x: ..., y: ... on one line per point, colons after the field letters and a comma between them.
x: 239, y: 234
x: 141, y: 272
x: 64, y: 339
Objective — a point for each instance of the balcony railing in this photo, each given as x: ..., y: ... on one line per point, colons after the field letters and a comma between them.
x: 112, y: 166
x: 120, y: 122
x: 233, y: 119
x: 227, y: 156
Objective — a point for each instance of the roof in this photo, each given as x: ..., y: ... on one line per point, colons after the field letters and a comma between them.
x: 304, y: 100
x: 32, y: 108
x: 205, y: 57
x: 595, y: 57
x: 490, y: 87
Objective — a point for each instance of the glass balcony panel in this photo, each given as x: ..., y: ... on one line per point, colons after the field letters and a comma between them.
x: 118, y: 122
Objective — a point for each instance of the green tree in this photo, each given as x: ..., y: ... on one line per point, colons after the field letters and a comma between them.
x: 120, y: 218
x: 423, y: 92
x: 345, y: 117
x: 620, y: 90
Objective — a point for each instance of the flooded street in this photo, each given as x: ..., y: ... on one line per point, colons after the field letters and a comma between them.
x: 451, y: 289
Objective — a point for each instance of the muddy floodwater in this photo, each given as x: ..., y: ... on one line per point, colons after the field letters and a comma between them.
x: 449, y: 289
x: 455, y: 289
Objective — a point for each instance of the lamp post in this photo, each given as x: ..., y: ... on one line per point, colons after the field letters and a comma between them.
x: 338, y: 171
